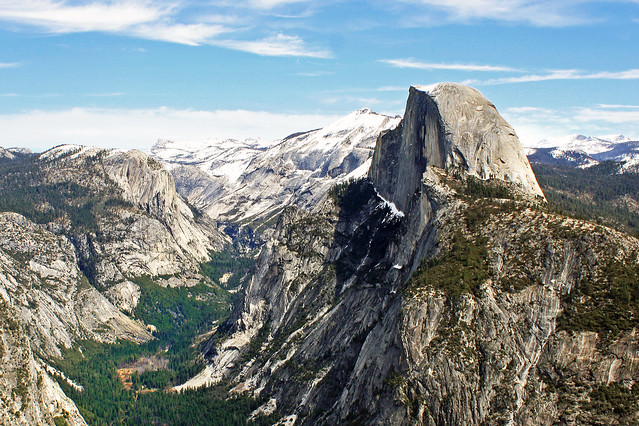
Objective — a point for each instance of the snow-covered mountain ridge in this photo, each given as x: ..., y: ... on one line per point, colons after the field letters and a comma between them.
x: 585, y: 151
x: 588, y: 144
x: 251, y: 180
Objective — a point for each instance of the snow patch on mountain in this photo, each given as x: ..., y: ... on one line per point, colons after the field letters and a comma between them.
x: 395, y: 212
x: 216, y: 157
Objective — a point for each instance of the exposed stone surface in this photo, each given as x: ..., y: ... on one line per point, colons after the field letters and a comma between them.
x: 334, y: 331
x: 70, y: 279
x: 246, y: 182
x: 147, y: 184
x: 346, y: 318
x: 451, y: 127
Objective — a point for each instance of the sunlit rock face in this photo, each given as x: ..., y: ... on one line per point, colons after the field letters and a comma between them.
x: 453, y: 127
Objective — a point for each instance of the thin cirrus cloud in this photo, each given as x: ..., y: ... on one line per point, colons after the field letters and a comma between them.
x: 542, y: 13
x: 619, y: 116
x: 411, y: 63
x: 155, y: 20
x: 59, y: 17
x: 632, y: 74
x: 9, y: 64
x: 277, y: 45
x: 270, y: 4
x: 189, y: 34
x: 618, y: 106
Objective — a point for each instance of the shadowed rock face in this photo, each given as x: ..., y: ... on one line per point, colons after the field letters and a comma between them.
x: 450, y: 127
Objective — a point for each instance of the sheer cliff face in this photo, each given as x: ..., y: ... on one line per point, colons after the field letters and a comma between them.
x: 451, y: 127
x: 410, y: 299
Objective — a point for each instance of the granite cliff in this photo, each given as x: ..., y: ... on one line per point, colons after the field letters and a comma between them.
x: 439, y: 290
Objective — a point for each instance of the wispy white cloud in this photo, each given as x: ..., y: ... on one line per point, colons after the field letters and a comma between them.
x: 140, y: 128
x: 277, y: 45
x: 138, y: 18
x: 590, y: 114
x: 189, y: 34
x: 411, y: 63
x: 162, y: 20
x: 270, y: 4
x: 618, y: 106
x: 544, y: 13
x: 223, y: 19
x: 632, y: 74
x: 62, y: 17
x: 9, y: 64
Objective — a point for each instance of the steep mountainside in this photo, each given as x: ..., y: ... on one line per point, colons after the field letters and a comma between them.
x: 440, y: 290
x: 78, y: 226
x: 564, y: 157
x: 246, y: 182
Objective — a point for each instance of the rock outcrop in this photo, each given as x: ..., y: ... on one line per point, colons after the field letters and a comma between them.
x: 92, y: 221
x: 410, y: 299
x: 451, y: 127
x: 47, y: 304
x: 435, y: 287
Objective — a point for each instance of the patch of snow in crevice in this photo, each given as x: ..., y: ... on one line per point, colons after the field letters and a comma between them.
x: 395, y: 212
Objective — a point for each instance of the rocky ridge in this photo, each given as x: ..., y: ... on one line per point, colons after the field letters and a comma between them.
x: 434, y: 287
x: 249, y: 182
x: 96, y: 220
x: 438, y: 291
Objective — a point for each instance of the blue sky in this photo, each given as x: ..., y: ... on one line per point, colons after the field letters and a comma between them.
x: 123, y: 73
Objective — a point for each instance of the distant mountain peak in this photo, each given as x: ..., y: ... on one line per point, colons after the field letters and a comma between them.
x: 615, y: 138
x: 584, y: 151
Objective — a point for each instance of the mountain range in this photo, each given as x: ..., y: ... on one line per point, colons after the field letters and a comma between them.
x: 381, y: 270
x: 585, y: 151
